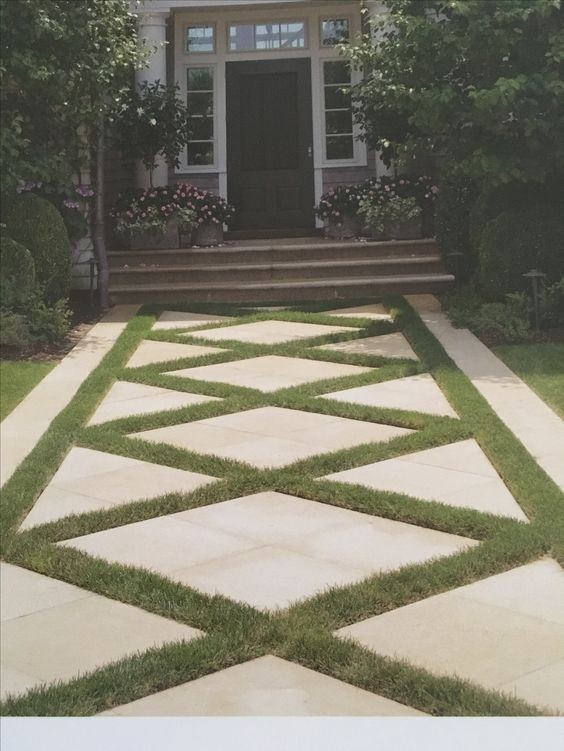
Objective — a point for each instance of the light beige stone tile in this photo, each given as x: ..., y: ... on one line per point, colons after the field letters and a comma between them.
x: 174, y: 319
x: 418, y: 393
x: 269, y: 577
x: 271, y: 436
x: 267, y: 686
x: 164, y: 544
x: 268, y: 549
x: 55, y: 631
x: 271, y: 372
x: 24, y: 592
x: 495, y: 645
x: 386, y: 345
x: 373, y: 544
x: 544, y: 687
x: 89, y: 480
x: 374, y: 312
x: 150, y: 352
x: 129, y: 399
x: 271, y: 332
x: 23, y: 427
x: 458, y: 475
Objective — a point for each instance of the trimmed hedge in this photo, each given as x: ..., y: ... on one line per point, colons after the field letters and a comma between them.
x: 17, y: 270
x: 514, y: 243
x: 37, y: 225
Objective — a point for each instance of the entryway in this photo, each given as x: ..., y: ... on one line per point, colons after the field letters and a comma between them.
x: 269, y: 145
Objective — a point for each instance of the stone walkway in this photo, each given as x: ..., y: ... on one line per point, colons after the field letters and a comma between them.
x: 272, y: 550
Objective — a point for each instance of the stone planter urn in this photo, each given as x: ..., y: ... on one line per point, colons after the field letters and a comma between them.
x: 347, y: 228
x: 411, y: 229
x: 207, y: 235
x: 155, y: 240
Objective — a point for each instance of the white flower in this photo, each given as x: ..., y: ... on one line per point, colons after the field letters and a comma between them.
x: 152, y: 121
x: 139, y: 111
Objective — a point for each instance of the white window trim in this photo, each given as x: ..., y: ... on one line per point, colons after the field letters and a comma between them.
x: 202, y: 168
x: 198, y: 24
x: 278, y: 50
x: 334, y: 17
x: 360, y: 152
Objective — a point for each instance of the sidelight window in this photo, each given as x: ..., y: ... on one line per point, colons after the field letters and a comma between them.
x: 339, y: 137
x: 200, y: 102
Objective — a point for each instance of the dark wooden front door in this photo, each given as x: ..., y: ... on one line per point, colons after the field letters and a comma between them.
x: 269, y: 144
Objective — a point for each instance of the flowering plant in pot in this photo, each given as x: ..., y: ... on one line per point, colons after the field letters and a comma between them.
x: 146, y: 218
x: 385, y: 216
x: 394, y: 206
x: 212, y: 212
x: 339, y: 209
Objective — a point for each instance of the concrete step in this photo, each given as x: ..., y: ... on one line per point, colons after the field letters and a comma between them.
x: 303, y: 250
x: 326, y: 269
x: 281, y: 291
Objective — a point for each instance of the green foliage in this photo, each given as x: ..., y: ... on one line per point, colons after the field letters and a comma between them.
x: 62, y: 64
x: 33, y: 322
x: 14, y: 331
x: 152, y: 120
x: 36, y: 224
x: 17, y: 270
x: 507, y: 321
x: 381, y: 216
x: 516, y: 242
x: 473, y: 81
x: 552, y: 304
x: 452, y: 223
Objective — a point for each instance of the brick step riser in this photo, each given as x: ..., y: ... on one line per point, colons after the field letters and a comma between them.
x: 311, y: 253
x: 242, y: 274
x: 269, y: 295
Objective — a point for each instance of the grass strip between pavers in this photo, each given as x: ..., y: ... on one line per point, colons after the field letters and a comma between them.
x: 236, y: 632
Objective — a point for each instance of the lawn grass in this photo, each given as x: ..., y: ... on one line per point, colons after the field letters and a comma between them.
x: 17, y: 378
x: 539, y: 365
x: 236, y: 632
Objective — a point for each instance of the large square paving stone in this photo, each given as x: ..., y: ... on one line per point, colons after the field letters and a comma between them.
x: 505, y: 632
x: 419, y: 393
x: 150, y: 352
x: 268, y: 549
x: 271, y: 436
x: 271, y: 332
x: 270, y: 373
x: 458, y: 474
x: 90, y: 480
x: 267, y: 686
x: 386, y: 345
x: 129, y: 399
x: 53, y: 631
x: 174, y: 319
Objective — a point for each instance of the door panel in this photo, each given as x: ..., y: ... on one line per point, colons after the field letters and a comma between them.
x: 269, y: 132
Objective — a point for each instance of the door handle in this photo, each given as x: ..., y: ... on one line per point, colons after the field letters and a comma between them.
x: 310, y: 152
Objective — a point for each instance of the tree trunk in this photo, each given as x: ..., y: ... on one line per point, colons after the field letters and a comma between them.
x: 99, y: 224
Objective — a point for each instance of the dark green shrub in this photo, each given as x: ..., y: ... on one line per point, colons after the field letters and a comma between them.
x: 515, y: 242
x: 507, y: 321
x: 552, y: 304
x: 36, y: 224
x: 452, y: 219
x: 14, y: 331
x: 17, y: 270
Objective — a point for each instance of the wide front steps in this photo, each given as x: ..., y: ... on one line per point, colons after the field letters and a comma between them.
x: 301, y: 270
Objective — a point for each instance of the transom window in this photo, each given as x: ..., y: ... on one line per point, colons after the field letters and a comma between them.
x: 200, y: 38
x: 339, y: 138
x: 334, y: 31
x: 200, y: 102
x: 267, y: 36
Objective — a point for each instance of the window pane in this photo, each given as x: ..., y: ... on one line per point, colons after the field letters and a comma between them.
x: 267, y: 36
x: 200, y: 79
x: 200, y: 104
x: 199, y: 39
x: 338, y: 122
x: 340, y: 147
x: 241, y: 37
x: 337, y: 71
x: 336, y: 98
x: 200, y: 153
x: 292, y: 35
x: 334, y: 31
x: 201, y: 128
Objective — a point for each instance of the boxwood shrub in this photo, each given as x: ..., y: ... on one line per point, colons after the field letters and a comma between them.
x: 38, y: 226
